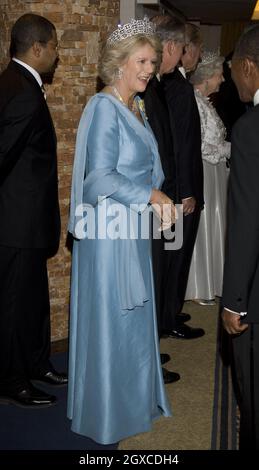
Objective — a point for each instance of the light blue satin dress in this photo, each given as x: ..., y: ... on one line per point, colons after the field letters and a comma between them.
x: 115, y: 385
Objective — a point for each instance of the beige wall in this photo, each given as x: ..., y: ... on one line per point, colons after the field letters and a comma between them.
x: 81, y: 25
x: 211, y: 36
x: 230, y: 35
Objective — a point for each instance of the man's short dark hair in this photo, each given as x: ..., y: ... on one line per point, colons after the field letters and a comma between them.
x: 248, y: 45
x: 27, y: 30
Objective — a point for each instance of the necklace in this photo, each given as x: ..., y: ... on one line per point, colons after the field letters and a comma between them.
x: 117, y: 94
x: 133, y: 107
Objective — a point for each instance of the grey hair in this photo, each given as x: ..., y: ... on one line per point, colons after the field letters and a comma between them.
x: 169, y: 28
x: 206, y: 68
x: 248, y: 45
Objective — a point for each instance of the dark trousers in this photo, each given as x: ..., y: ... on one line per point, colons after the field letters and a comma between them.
x: 24, y: 315
x: 171, y: 271
x: 246, y: 361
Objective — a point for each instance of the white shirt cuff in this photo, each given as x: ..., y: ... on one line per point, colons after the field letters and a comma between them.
x: 242, y: 314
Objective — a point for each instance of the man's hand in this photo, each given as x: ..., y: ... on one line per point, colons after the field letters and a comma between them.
x: 232, y: 323
x: 189, y: 204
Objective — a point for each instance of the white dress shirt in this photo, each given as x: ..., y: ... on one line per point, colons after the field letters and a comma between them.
x: 256, y: 97
x: 182, y: 70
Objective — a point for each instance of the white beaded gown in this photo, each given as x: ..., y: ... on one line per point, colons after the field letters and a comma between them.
x: 206, y: 270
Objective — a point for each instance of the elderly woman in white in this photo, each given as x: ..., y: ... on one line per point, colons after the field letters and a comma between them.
x: 206, y: 271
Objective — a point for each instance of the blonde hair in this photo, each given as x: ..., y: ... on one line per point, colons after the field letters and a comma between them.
x: 115, y: 55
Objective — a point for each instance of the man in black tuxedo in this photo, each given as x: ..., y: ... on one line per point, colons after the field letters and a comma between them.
x: 158, y: 116
x: 241, y: 273
x: 185, y: 127
x: 29, y: 214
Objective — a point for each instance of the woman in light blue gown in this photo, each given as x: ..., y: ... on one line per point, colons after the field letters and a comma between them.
x: 115, y: 382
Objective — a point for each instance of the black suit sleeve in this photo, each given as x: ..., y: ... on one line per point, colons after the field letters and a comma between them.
x: 16, y: 123
x: 158, y: 116
x: 242, y: 247
x: 181, y: 111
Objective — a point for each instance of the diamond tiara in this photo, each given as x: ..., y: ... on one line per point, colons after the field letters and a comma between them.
x: 208, y: 57
x: 132, y: 28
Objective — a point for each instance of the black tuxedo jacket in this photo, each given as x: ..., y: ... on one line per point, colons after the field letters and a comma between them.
x: 241, y: 273
x: 158, y: 117
x: 29, y: 208
x: 185, y: 122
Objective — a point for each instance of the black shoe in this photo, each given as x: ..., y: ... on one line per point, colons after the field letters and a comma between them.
x: 169, y: 376
x: 185, y: 332
x: 30, y: 397
x: 51, y: 377
x: 182, y: 317
x: 164, y: 358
